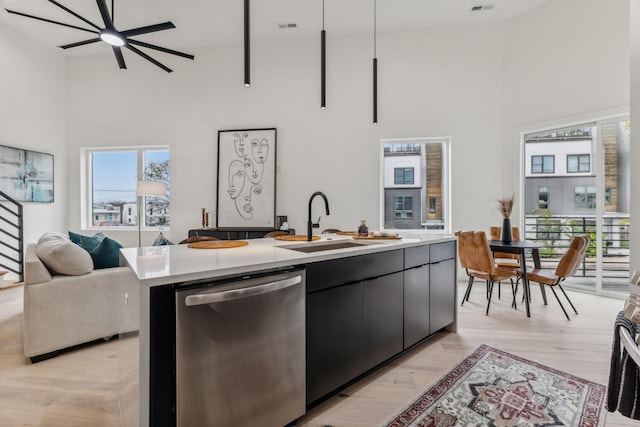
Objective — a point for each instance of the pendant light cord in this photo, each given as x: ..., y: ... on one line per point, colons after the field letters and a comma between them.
x: 323, y: 15
x: 375, y: 32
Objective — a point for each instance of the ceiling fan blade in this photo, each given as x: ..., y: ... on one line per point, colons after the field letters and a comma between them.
x: 118, y: 52
x: 82, y: 43
x: 161, y: 49
x: 104, y: 11
x: 50, y: 21
x: 148, y: 58
x: 148, y: 29
x: 66, y: 9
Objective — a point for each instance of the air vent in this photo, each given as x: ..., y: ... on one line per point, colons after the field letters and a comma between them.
x: 288, y: 25
x: 478, y: 8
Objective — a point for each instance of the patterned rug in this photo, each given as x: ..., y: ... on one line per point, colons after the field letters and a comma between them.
x: 495, y: 388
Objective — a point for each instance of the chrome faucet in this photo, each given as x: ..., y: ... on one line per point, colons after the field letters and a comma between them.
x: 310, y: 223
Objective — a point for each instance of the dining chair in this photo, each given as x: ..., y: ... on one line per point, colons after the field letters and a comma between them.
x: 504, y: 259
x: 275, y: 233
x: 567, y: 266
x: 476, y: 257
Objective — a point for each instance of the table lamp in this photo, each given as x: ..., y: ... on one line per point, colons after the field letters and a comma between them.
x: 147, y: 188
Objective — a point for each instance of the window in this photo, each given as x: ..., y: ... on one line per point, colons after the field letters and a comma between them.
x: 578, y: 163
x: 111, y: 178
x: 432, y: 204
x: 403, y: 207
x: 543, y: 197
x: 585, y: 197
x: 542, y: 164
x: 415, y: 184
x: 607, y: 196
x: 403, y: 176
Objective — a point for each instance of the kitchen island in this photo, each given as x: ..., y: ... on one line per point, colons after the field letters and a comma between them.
x: 365, y: 304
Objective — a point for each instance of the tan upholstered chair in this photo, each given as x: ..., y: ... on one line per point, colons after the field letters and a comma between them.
x: 504, y: 259
x: 476, y: 258
x: 567, y: 267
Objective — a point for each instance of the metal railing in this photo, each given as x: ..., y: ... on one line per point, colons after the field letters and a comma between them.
x: 557, y: 231
x: 11, y: 236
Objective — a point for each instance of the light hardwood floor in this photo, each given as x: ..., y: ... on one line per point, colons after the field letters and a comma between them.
x: 82, y: 387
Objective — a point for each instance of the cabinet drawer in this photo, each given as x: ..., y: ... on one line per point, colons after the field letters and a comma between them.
x: 327, y: 274
x: 441, y: 251
x: 416, y: 256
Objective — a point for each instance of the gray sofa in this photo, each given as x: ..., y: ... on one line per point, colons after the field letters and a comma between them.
x: 62, y: 311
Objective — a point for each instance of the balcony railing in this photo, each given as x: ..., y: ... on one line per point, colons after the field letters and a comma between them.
x: 556, y: 233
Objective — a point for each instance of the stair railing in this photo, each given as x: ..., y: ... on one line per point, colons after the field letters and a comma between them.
x: 11, y: 236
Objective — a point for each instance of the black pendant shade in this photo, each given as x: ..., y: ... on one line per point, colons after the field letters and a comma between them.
x: 375, y: 66
x: 247, y: 56
x: 323, y: 64
x: 375, y: 90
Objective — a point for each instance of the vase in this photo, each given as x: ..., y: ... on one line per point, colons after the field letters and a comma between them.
x: 505, y: 235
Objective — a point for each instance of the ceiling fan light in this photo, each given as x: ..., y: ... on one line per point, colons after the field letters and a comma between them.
x: 114, y: 39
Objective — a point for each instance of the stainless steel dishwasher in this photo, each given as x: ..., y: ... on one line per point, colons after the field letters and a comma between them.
x: 240, y: 351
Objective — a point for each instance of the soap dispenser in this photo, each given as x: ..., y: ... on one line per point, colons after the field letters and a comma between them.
x: 363, y: 230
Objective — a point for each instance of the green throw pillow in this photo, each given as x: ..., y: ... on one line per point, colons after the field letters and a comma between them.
x: 106, y: 254
x: 87, y: 243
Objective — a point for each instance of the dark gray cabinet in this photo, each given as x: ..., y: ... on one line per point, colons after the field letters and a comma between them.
x: 442, y: 285
x: 334, y: 338
x: 364, y: 310
x: 416, y: 305
x: 382, y: 319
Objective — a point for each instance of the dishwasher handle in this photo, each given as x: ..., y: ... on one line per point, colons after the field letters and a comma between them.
x: 213, y: 297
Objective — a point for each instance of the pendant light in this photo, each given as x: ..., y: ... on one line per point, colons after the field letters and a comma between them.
x: 323, y: 64
x: 375, y: 67
x: 247, y: 62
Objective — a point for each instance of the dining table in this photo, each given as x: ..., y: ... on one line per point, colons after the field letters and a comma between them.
x: 521, y: 247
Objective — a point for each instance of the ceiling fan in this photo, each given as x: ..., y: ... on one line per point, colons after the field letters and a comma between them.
x: 109, y: 34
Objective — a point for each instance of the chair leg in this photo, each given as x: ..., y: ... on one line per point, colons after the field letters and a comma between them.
x: 490, y: 286
x: 514, y: 290
x: 559, y: 302
x: 567, y: 297
x: 544, y: 293
x: 499, y: 287
x: 466, y: 294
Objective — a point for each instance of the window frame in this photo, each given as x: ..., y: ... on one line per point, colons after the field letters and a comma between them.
x: 578, y: 158
x: 86, y: 184
x: 403, y: 212
x: 404, y: 172
x: 426, y: 223
x: 542, y: 164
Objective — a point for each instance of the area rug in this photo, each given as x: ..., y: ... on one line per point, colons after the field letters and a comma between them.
x: 495, y: 388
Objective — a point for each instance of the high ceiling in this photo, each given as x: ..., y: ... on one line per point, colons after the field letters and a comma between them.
x: 219, y: 22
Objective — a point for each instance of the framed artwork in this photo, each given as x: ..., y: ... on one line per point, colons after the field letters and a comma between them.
x: 26, y: 176
x: 246, y: 179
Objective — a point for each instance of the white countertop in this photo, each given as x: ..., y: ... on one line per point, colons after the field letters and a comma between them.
x: 158, y: 265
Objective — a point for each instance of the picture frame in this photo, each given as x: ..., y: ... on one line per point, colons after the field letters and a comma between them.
x: 25, y: 175
x: 246, y: 187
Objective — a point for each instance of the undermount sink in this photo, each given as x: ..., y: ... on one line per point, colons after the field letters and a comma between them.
x: 325, y: 246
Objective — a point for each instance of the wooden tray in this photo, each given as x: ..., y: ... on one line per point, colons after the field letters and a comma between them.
x: 295, y: 237
x: 372, y: 237
x: 218, y: 244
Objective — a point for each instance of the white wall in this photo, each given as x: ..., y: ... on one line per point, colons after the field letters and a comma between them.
x: 33, y: 116
x: 563, y: 59
x: 436, y: 82
x: 634, y: 18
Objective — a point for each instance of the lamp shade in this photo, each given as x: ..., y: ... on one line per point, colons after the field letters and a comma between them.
x: 151, y: 188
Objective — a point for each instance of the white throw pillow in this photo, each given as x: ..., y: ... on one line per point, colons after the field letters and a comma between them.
x: 62, y: 256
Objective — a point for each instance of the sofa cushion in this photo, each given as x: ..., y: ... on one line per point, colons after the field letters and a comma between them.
x: 62, y: 256
x: 88, y: 243
x: 104, y: 252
